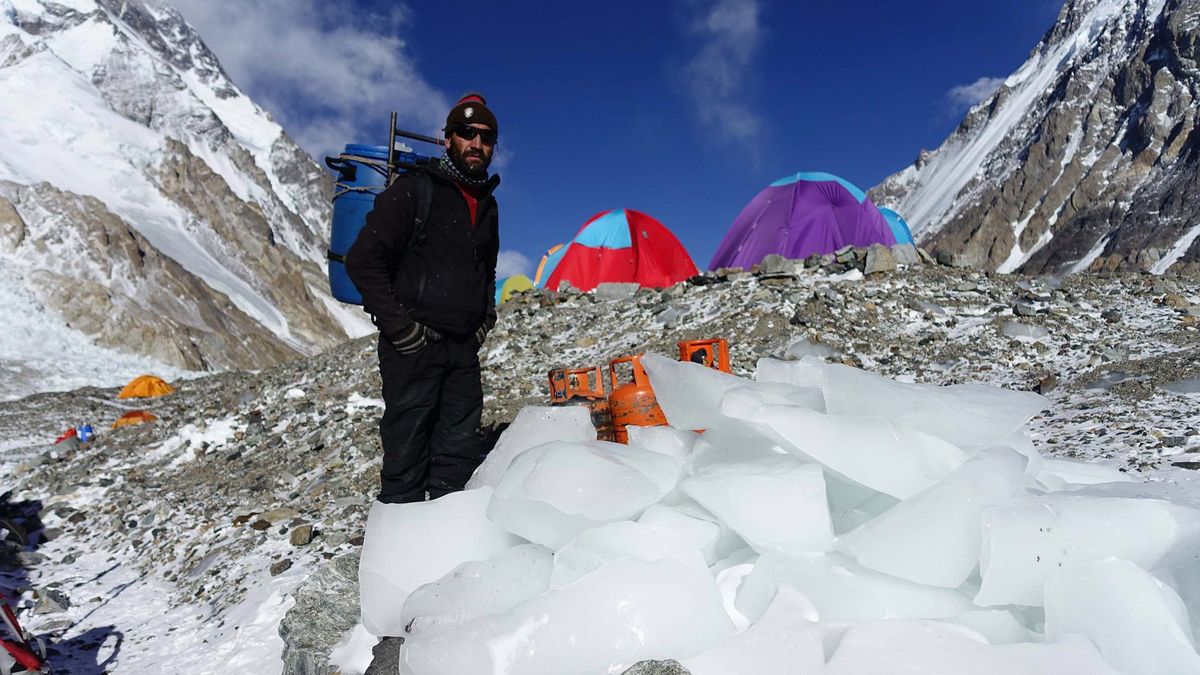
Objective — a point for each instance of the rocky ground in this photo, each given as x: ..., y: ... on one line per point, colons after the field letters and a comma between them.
x: 252, y: 480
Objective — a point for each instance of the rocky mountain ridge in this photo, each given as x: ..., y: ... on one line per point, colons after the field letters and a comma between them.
x: 149, y: 204
x: 1085, y: 158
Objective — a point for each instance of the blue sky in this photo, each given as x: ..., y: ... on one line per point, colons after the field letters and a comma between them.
x: 683, y: 109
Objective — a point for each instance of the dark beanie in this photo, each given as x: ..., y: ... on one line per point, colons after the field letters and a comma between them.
x: 471, y: 109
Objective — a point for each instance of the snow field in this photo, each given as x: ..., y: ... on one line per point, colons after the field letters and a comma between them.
x: 826, y: 520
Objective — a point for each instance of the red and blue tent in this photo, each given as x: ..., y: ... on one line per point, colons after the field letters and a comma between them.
x: 622, y: 245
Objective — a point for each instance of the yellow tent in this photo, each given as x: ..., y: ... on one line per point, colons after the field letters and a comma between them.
x: 145, y: 386
x: 514, y: 284
x: 134, y: 417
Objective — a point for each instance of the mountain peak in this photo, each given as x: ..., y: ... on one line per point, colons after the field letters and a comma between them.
x: 1080, y: 159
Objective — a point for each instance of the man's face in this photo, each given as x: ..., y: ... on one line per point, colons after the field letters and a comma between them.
x: 471, y: 156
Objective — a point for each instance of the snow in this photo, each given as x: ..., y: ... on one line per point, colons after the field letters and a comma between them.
x: 38, y: 354
x: 1091, y: 256
x: 96, y: 152
x: 950, y: 170
x: 1176, y: 251
x: 85, y: 46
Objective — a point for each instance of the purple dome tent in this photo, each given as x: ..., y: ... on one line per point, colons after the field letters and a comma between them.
x: 800, y: 215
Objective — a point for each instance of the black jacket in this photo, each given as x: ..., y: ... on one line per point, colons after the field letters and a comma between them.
x: 446, y: 279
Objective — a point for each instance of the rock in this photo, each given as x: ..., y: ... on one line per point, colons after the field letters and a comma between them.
x: 385, y: 657
x: 301, y: 536
x: 278, y: 515
x: 906, y: 254
x: 879, y: 260
x: 1014, y: 329
x: 775, y: 266
x: 1176, y: 301
x: 1024, y: 309
x: 1173, y: 441
x: 326, y: 607
x: 260, y: 525
x: 923, y: 306
x: 616, y: 291
x: 1046, y: 384
x: 51, y: 601
x: 1111, y: 316
x: 845, y: 254
x: 671, y: 667
x: 280, y: 567
x: 586, y: 341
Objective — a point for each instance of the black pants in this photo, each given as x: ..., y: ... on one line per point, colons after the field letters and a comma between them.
x: 433, y: 401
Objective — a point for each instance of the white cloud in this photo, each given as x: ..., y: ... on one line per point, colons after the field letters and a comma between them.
x: 509, y: 263
x: 330, y: 76
x: 727, y: 33
x: 967, y: 95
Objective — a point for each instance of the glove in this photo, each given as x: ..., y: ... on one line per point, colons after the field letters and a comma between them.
x: 480, y: 336
x: 414, y: 338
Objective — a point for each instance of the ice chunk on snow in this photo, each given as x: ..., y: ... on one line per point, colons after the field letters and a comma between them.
x: 533, y: 427
x: 934, y: 537
x: 671, y: 522
x: 851, y: 505
x: 933, y: 648
x: 771, y: 393
x: 870, y: 451
x: 1139, y: 624
x: 1064, y: 474
x: 556, y: 491
x: 785, y: 640
x: 1027, y: 541
x: 407, y: 545
x: 669, y: 441
x: 730, y: 444
x: 624, y: 612
x: 689, y: 393
x: 775, y: 503
x: 479, y: 588
x: 970, y: 416
x: 729, y: 580
x: 842, y: 590
x: 593, y: 549
x: 998, y: 626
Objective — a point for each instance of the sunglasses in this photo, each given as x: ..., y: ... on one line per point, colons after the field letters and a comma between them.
x: 468, y: 133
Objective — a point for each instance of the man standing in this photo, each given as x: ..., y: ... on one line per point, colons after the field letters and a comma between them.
x: 430, y: 288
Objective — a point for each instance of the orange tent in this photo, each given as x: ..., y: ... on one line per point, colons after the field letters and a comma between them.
x: 145, y: 386
x: 134, y: 417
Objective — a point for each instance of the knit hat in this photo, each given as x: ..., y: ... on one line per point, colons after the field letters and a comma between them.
x: 471, y: 109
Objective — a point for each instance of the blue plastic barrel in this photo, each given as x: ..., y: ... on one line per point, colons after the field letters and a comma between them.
x: 362, y: 173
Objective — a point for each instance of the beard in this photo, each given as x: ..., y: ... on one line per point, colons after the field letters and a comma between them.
x: 479, y: 171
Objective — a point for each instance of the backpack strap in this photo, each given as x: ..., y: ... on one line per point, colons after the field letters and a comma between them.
x: 424, y: 185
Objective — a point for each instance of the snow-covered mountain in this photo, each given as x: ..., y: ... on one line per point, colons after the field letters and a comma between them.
x: 148, y: 205
x: 1085, y: 158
